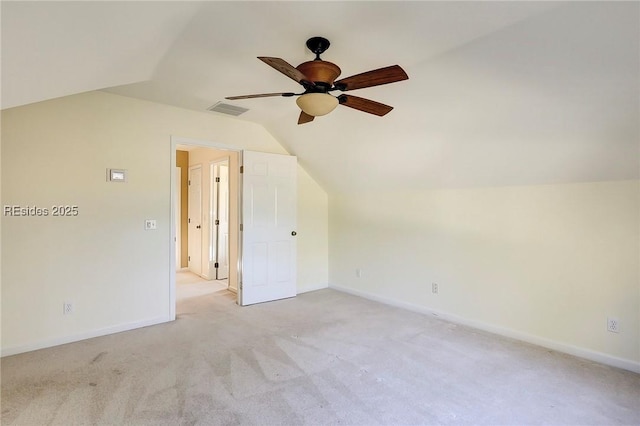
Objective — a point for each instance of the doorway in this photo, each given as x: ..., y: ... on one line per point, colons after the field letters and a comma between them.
x: 266, y: 198
x: 212, y: 199
x: 195, y: 159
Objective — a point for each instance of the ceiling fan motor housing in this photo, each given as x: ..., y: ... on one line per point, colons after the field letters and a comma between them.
x: 320, y: 71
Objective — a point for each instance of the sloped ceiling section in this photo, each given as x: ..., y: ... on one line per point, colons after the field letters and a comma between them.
x: 500, y: 93
x: 54, y: 49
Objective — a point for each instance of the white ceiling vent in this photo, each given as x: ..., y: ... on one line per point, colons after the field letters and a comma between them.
x: 227, y: 109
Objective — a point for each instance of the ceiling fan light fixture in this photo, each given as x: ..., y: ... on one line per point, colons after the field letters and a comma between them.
x: 317, y: 104
x: 318, y: 78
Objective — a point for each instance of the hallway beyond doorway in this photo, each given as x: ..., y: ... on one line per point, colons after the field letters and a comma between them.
x: 190, y: 285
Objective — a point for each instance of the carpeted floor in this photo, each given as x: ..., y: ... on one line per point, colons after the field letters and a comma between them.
x: 321, y: 358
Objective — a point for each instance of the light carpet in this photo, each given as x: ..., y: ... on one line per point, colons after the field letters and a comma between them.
x: 321, y: 358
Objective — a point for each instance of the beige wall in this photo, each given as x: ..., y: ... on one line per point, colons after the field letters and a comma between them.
x: 182, y: 161
x: 313, y: 231
x: 547, y: 264
x: 116, y: 274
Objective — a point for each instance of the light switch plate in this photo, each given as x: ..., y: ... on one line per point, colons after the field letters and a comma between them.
x: 150, y: 224
x: 116, y: 175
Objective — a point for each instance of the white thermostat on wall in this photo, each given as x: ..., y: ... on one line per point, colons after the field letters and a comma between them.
x: 116, y: 175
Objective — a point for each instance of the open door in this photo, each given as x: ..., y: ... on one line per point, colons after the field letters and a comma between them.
x: 268, y: 227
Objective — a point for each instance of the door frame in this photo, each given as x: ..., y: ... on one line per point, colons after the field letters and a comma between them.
x: 214, y: 209
x: 198, y: 220
x: 174, y: 142
x: 178, y: 214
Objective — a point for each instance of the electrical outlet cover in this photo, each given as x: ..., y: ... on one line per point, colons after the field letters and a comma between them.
x: 613, y: 325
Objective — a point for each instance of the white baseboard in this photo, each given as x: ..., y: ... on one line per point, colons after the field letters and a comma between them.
x: 513, y: 334
x: 313, y: 287
x: 18, y: 349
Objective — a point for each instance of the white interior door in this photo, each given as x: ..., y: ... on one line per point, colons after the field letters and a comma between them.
x: 195, y: 219
x: 269, y: 227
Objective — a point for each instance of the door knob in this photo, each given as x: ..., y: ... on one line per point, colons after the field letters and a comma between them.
x: 294, y: 233
x: 198, y: 227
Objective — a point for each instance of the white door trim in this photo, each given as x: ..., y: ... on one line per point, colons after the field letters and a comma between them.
x: 195, y: 215
x: 214, y: 211
x: 178, y: 212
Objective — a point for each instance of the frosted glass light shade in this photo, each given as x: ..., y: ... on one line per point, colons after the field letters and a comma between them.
x: 316, y: 104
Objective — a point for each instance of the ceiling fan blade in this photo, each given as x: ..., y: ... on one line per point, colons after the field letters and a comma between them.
x: 372, y: 78
x: 285, y: 68
x: 305, y: 118
x: 262, y: 95
x: 366, y: 105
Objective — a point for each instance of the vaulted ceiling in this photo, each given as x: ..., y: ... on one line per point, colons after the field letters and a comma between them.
x: 499, y: 93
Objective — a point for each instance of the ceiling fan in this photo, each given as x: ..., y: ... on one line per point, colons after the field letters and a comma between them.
x: 317, y: 78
